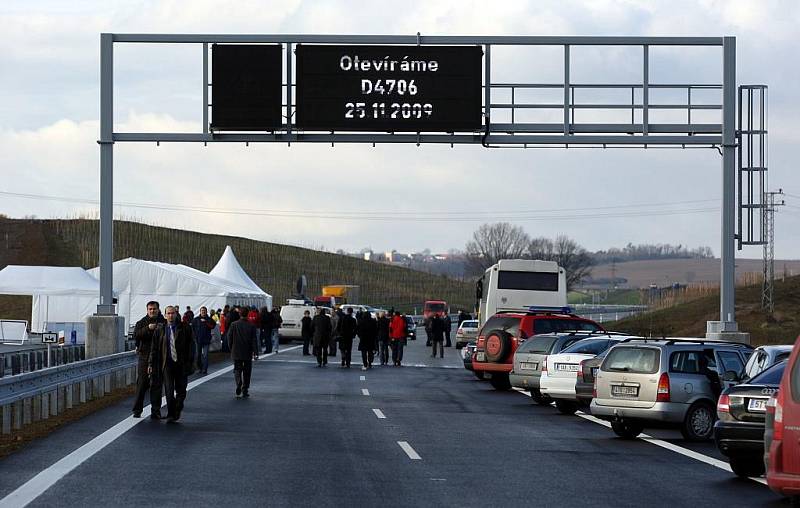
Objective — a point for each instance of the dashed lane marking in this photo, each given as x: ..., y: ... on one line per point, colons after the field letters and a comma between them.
x: 379, y: 414
x: 412, y: 454
x: 364, y: 391
x: 711, y: 461
x: 36, y: 486
x: 363, y: 378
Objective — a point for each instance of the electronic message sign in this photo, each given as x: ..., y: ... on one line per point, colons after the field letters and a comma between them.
x: 246, y: 85
x: 389, y: 88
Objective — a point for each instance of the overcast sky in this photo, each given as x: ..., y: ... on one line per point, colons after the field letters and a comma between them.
x: 602, y: 198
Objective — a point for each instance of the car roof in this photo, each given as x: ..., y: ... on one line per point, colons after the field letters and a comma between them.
x: 690, y: 341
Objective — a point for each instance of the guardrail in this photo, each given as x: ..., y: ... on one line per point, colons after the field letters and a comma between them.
x: 32, y: 360
x: 38, y: 395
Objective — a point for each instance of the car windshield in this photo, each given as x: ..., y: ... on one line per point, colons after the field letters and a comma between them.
x: 588, y: 346
x: 771, y: 376
x: 469, y: 324
x: 632, y: 359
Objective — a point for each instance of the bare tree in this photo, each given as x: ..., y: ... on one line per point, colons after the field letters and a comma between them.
x: 573, y: 258
x: 492, y: 242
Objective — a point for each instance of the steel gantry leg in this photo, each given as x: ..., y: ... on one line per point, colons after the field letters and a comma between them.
x: 106, y: 306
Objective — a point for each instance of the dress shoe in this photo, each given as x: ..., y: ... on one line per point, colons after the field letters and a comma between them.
x: 137, y: 414
x: 155, y: 416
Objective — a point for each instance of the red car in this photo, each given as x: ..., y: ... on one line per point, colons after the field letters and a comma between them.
x: 783, y: 468
x: 502, y: 333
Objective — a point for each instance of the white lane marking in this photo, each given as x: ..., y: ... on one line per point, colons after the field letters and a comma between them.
x: 363, y: 378
x: 412, y: 454
x: 364, y: 391
x: 36, y: 486
x: 711, y: 461
x: 379, y: 414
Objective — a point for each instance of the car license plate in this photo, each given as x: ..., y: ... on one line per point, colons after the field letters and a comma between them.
x: 757, y: 405
x: 481, y: 357
x: 624, y: 391
x: 567, y: 367
x: 529, y: 366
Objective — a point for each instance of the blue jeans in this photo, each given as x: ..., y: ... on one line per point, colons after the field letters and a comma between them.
x: 275, y: 341
x: 202, y: 357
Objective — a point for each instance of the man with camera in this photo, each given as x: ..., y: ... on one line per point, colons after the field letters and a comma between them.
x: 143, y: 335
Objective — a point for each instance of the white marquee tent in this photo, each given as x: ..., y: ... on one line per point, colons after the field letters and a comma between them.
x: 136, y: 282
x: 64, y: 296
x: 60, y: 294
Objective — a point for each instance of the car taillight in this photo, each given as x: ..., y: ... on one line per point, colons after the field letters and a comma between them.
x: 777, y: 426
x: 663, y: 388
x: 544, y: 364
x: 481, y: 342
x: 580, y: 371
x: 594, y: 388
x: 724, y: 404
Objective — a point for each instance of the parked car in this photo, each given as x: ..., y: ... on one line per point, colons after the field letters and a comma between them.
x: 783, y: 470
x: 530, y: 356
x: 502, y: 333
x: 467, y: 352
x: 584, y: 384
x: 668, y: 381
x: 741, y: 411
x: 411, y: 328
x: 763, y: 358
x: 559, y: 371
x: 467, y: 331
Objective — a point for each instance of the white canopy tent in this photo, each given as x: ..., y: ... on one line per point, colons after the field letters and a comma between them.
x: 228, y: 268
x: 62, y: 296
x: 136, y: 282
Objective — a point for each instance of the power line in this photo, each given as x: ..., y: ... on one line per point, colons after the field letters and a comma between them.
x: 522, y: 215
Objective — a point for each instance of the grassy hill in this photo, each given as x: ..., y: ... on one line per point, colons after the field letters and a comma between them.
x: 274, y: 267
x: 689, y: 319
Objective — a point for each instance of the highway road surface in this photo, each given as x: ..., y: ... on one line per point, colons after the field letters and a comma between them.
x: 425, y: 434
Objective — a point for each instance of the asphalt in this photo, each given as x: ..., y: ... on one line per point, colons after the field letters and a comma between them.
x: 309, y: 436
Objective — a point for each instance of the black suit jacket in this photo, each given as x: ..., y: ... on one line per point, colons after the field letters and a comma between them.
x: 184, y: 345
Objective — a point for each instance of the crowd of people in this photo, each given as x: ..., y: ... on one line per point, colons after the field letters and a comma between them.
x: 171, y: 346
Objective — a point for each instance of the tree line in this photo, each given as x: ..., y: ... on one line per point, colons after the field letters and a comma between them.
x: 502, y: 240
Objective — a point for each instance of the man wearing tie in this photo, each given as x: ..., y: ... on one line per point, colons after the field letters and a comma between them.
x: 172, y: 361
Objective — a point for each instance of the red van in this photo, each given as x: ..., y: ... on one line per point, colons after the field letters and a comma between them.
x: 783, y: 468
x: 434, y: 307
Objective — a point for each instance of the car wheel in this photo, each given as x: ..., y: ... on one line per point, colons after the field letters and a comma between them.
x: 626, y: 429
x: 566, y: 407
x: 745, y: 466
x: 698, y: 425
x: 479, y: 374
x: 500, y: 381
x: 542, y: 400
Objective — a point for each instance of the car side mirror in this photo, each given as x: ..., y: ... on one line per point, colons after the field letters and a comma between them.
x: 731, y: 376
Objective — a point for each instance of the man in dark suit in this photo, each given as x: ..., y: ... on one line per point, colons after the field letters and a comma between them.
x: 143, y: 333
x: 321, y: 329
x: 347, y: 332
x: 171, y: 361
x: 244, y: 349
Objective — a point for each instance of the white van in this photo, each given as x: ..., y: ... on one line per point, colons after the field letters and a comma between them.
x: 519, y: 284
x: 291, y: 314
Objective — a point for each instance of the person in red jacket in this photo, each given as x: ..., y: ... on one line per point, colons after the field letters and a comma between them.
x: 397, y: 334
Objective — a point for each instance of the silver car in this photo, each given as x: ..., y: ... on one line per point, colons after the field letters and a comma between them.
x: 532, y: 354
x: 763, y: 358
x: 672, y: 381
x: 467, y: 332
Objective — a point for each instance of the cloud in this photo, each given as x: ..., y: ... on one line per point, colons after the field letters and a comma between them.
x: 48, y: 122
